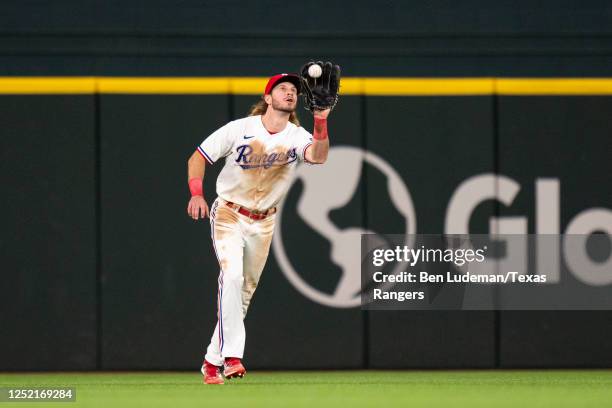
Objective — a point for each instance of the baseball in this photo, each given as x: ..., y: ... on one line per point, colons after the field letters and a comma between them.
x: 315, y: 71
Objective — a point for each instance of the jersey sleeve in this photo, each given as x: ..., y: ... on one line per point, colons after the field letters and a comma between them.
x: 218, y: 144
x: 304, y: 141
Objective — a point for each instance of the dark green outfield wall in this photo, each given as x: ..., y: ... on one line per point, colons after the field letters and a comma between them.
x: 103, y: 269
x: 49, y: 249
x: 246, y: 38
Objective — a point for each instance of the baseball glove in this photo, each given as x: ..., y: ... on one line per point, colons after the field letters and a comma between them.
x: 320, y: 93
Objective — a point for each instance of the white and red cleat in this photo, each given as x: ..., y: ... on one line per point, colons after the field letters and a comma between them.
x: 233, y: 368
x: 212, y: 373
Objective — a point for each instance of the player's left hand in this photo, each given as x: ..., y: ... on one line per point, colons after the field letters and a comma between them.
x: 321, y: 114
x: 320, y: 93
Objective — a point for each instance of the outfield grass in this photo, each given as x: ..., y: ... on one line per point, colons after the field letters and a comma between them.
x: 330, y: 388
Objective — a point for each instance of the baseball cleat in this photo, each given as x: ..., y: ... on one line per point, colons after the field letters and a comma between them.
x: 212, y: 373
x: 233, y: 368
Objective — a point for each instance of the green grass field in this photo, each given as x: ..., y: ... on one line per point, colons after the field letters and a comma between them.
x: 579, y: 388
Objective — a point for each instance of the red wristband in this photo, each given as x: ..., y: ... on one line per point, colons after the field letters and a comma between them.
x: 195, y: 186
x: 320, y: 129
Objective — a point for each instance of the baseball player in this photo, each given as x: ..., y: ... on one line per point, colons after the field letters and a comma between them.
x: 261, y: 152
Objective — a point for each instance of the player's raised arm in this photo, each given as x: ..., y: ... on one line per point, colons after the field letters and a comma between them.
x: 197, y: 207
x: 317, y: 152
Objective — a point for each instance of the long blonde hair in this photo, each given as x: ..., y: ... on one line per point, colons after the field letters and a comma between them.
x: 260, y: 107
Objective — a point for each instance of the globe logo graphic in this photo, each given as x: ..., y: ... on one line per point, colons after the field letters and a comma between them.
x: 326, y: 188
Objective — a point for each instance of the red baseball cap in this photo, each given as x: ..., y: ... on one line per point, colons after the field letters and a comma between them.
x: 277, y: 79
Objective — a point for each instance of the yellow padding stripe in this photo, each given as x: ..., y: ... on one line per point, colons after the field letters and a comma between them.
x: 210, y: 85
x: 554, y: 86
x: 428, y: 86
x: 350, y: 86
x: 47, y: 85
x: 247, y: 86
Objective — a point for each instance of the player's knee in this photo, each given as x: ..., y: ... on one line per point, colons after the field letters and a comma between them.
x: 233, y: 279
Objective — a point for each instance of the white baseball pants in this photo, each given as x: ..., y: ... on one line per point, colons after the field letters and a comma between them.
x: 242, y: 246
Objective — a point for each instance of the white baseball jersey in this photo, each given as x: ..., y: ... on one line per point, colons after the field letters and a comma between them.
x: 258, y: 165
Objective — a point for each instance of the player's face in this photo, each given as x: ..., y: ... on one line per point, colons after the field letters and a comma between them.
x: 284, y: 97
